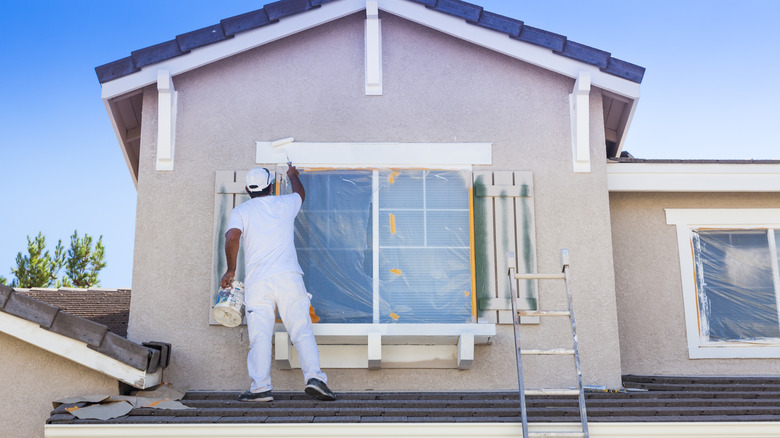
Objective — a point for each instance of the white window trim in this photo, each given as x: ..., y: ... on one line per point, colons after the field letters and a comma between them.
x: 368, y: 154
x: 687, y: 220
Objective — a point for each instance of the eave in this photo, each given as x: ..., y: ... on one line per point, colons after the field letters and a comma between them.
x: 693, y: 176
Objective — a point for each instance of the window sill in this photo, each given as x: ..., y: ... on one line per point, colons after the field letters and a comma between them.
x: 390, y: 345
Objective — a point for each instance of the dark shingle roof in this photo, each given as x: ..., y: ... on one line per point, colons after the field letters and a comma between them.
x: 147, y: 357
x: 273, y: 12
x: 651, y: 399
x: 689, y: 161
x: 110, y: 307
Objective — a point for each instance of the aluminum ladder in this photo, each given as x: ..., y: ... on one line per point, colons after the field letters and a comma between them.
x: 563, y: 275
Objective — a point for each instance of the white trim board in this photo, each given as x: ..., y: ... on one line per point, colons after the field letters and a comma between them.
x: 76, y: 351
x: 743, y: 429
x: 692, y: 177
x: 374, y: 154
x: 687, y: 219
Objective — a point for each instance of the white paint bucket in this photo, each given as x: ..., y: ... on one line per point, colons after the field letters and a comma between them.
x: 229, y: 309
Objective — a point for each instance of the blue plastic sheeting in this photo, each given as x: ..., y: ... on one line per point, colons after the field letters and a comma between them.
x: 422, y: 252
x: 735, y: 283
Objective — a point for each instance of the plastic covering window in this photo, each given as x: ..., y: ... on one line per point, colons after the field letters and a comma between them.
x: 737, y: 285
x: 386, y: 246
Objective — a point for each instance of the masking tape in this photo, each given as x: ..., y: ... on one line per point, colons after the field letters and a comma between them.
x: 392, y: 223
x: 394, y: 316
x: 396, y: 271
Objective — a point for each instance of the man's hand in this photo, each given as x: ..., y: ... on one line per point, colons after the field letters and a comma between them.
x: 227, y: 279
x: 295, y: 182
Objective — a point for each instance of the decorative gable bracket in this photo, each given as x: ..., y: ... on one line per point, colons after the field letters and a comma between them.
x: 166, y: 120
x: 373, y: 50
x: 579, y: 109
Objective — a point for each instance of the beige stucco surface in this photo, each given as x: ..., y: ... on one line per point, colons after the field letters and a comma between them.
x: 310, y: 86
x: 31, y: 379
x: 648, y: 284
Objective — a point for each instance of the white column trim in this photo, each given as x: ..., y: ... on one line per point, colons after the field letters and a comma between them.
x: 579, y: 110
x: 373, y: 41
x: 166, y: 120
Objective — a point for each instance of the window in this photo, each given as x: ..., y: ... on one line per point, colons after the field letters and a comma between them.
x: 387, y: 246
x: 731, y: 282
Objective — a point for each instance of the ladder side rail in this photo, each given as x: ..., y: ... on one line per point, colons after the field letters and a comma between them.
x: 518, y: 358
x: 583, y: 413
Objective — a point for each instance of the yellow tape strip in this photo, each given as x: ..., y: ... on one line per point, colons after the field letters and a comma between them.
x: 473, y: 259
x: 392, y: 223
x: 396, y: 271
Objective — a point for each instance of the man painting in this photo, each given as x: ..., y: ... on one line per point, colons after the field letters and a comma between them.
x: 274, y: 280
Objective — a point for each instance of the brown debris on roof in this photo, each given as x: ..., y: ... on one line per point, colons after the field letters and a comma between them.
x: 110, y: 307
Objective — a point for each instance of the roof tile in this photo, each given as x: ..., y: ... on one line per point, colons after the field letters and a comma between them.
x: 31, y: 309
x: 240, y: 23
x: 429, y: 3
x: 500, y: 23
x: 626, y: 70
x: 541, y: 37
x: 584, y: 53
x: 201, y: 37
x: 5, y: 293
x: 121, y: 349
x: 156, y: 53
x: 284, y: 8
x: 78, y: 328
x: 459, y: 8
x: 116, y: 69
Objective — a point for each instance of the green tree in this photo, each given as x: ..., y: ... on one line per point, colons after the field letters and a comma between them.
x: 38, y: 268
x: 3, y: 281
x: 84, y: 262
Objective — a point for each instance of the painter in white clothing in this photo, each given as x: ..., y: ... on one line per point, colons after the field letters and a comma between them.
x: 264, y: 225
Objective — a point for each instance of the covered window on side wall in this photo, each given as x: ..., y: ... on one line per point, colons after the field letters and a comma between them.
x: 387, y: 246
x: 729, y: 260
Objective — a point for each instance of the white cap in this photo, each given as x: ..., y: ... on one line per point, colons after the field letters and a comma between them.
x: 258, y: 179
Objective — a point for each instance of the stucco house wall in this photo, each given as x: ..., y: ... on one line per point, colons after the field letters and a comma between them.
x: 648, y: 284
x: 32, y: 378
x: 311, y: 86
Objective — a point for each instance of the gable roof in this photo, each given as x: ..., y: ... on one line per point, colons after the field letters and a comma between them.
x: 123, y: 80
x: 273, y: 12
x: 83, y: 341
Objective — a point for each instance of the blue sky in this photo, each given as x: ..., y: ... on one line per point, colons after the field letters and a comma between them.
x: 709, y: 92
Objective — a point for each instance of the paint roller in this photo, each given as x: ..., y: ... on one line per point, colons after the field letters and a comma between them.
x: 283, y: 143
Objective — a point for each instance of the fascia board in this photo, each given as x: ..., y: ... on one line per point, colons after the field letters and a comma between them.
x: 680, y: 429
x: 76, y: 351
x: 692, y: 177
x: 500, y: 42
x: 241, y: 42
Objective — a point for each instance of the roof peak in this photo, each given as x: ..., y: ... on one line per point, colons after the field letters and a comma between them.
x: 272, y: 13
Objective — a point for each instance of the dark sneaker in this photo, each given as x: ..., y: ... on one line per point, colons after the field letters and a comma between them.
x: 318, y: 388
x: 249, y: 396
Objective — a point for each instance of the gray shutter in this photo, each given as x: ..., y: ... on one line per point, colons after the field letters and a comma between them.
x: 503, y: 221
x: 229, y: 192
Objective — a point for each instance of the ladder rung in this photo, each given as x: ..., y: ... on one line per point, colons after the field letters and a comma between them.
x: 557, y: 434
x: 554, y: 351
x: 552, y: 392
x: 543, y: 313
x: 533, y: 276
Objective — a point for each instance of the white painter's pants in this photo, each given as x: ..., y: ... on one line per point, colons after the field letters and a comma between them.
x: 286, y: 292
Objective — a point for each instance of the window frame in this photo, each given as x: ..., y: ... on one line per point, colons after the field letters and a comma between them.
x: 687, y: 220
x: 376, y: 244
